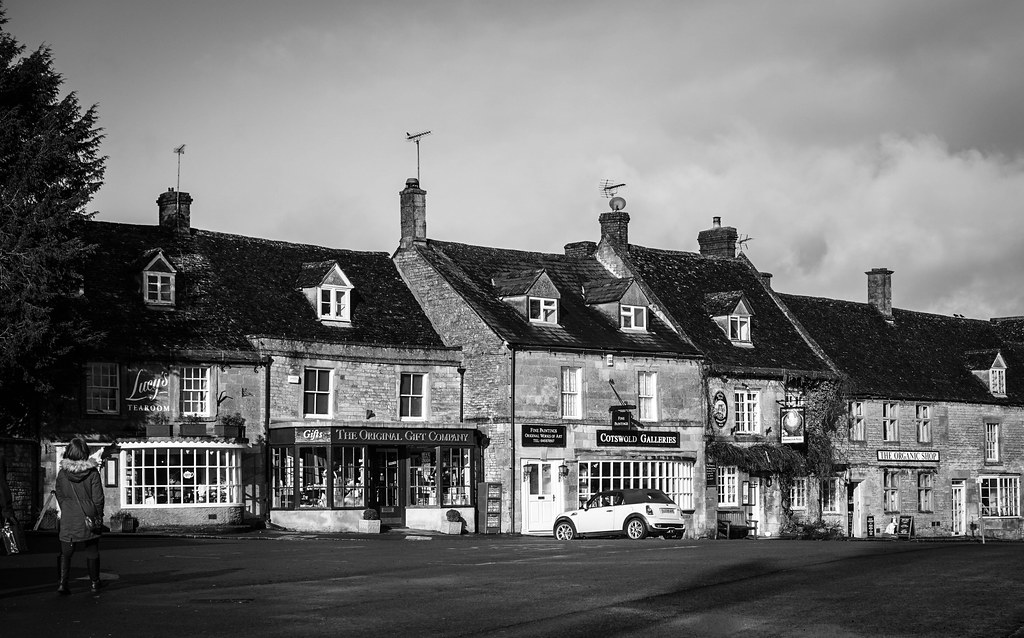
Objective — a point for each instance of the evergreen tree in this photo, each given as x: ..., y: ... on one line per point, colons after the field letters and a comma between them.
x: 49, y: 171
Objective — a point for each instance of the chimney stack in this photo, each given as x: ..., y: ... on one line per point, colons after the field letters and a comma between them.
x: 175, y: 210
x: 580, y: 249
x: 414, y: 213
x: 615, y: 228
x: 718, y: 241
x: 880, y: 290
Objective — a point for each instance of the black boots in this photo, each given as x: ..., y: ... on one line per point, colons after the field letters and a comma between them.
x: 63, y: 572
x: 94, y: 574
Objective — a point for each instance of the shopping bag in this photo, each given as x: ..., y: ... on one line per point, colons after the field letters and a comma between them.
x: 14, y: 538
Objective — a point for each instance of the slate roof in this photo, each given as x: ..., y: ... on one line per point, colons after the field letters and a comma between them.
x: 684, y: 282
x: 470, y: 269
x: 230, y: 286
x: 918, y: 356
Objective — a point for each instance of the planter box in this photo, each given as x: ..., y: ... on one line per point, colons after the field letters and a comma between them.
x: 192, y: 429
x: 122, y: 525
x: 158, y: 430
x: 227, y: 431
x: 449, y: 527
x: 369, y: 527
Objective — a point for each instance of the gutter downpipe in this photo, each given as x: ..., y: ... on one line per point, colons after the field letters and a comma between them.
x: 268, y: 458
x: 512, y: 443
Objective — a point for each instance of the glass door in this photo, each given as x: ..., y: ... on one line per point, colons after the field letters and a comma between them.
x: 384, y: 486
x: 959, y: 522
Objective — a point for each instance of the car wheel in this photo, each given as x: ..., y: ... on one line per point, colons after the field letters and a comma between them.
x: 636, y: 528
x: 565, y: 531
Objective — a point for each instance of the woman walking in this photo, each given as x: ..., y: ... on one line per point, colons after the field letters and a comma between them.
x: 80, y: 495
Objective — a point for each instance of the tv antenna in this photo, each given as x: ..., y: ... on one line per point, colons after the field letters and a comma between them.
x: 741, y: 243
x: 415, y: 137
x: 609, y: 187
x: 179, y: 150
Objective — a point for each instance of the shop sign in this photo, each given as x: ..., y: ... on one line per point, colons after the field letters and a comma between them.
x: 148, y: 390
x: 543, y: 435
x: 618, y: 438
x: 710, y: 472
x: 313, y: 435
x: 720, y: 409
x: 792, y: 420
x: 909, y: 456
x: 403, y: 436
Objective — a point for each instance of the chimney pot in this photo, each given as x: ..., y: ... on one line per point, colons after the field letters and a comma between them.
x: 716, y: 222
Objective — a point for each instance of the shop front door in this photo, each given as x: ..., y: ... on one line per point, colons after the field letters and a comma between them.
x: 540, y: 495
x: 959, y: 522
x: 385, y: 487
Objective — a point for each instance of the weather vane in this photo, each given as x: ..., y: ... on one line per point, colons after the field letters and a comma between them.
x: 415, y: 137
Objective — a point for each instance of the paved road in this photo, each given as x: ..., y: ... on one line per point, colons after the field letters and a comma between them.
x: 521, y: 586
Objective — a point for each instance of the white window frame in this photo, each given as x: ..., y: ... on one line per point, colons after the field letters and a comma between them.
x: 336, y: 306
x: 728, y: 486
x: 408, y: 400
x: 890, y: 490
x: 102, y: 388
x: 831, y: 495
x: 857, y: 430
x: 215, y: 484
x: 196, y: 391
x: 747, y: 411
x: 798, y: 494
x: 992, y: 436
x: 674, y: 478
x: 1005, y: 491
x: 317, y: 391
x: 925, y: 491
x: 647, y: 395
x: 159, y: 288
x: 572, y: 393
x: 890, y: 421
x: 923, y: 414
x: 997, y: 381
x: 739, y: 328
x: 543, y: 310
x: 633, y: 317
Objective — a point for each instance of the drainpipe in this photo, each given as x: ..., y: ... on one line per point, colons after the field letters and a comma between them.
x: 268, y: 459
x: 462, y: 394
x: 512, y: 443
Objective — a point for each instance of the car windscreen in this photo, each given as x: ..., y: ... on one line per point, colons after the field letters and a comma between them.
x: 647, y: 496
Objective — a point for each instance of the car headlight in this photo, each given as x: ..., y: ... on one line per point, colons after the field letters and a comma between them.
x: 650, y: 510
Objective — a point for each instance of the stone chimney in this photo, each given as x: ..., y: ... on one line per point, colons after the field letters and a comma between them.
x: 175, y: 210
x: 580, y: 249
x: 718, y: 241
x: 766, y: 278
x: 414, y: 213
x: 615, y: 228
x: 880, y: 290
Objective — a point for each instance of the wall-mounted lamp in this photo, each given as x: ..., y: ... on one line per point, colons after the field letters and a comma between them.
x: 527, y: 472
x: 768, y: 431
x: 370, y: 414
x: 563, y: 471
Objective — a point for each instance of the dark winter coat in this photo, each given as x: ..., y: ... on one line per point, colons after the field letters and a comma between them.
x: 6, y: 502
x: 81, y: 479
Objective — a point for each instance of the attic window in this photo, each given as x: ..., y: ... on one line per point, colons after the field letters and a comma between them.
x: 739, y: 328
x: 632, y: 317
x: 543, y: 310
x: 334, y: 303
x: 158, y: 282
x: 997, y: 381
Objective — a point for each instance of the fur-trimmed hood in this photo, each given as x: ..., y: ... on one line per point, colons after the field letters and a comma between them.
x: 78, y: 470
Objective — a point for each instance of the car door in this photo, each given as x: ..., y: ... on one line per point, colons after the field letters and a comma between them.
x: 599, y: 515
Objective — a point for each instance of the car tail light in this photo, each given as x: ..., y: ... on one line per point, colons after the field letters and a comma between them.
x: 650, y: 510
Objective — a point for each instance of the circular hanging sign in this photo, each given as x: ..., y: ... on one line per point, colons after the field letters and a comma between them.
x: 720, y: 409
x: 793, y: 422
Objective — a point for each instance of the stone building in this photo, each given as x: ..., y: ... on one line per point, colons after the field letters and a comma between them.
x: 242, y: 379
x: 936, y: 414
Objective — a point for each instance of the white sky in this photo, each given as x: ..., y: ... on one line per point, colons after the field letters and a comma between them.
x: 840, y: 136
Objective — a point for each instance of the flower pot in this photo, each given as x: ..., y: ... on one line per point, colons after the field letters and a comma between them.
x: 158, y: 430
x: 227, y: 431
x: 192, y: 429
x: 369, y: 527
x: 123, y: 525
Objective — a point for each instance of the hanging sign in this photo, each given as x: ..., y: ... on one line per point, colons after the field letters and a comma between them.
x: 720, y: 409
x: 792, y: 419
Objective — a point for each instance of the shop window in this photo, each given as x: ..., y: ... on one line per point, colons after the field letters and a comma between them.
x: 1000, y: 496
x: 890, y: 422
x: 422, y: 477
x: 283, y: 481
x: 925, y: 485
x: 728, y: 486
x: 102, y: 388
x: 195, y: 391
x: 857, y: 431
x: 181, y: 476
x: 747, y: 411
x: 572, y: 400
x: 891, y: 490
x: 798, y: 494
x: 316, y: 393
x: 647, y: 395
x: 411, y: 395
x: 349, y: 476
x: 991, y: 442
x: 924, y: 423
x: 313, y: 477
x: 674, y: 478
x: 456, y: 476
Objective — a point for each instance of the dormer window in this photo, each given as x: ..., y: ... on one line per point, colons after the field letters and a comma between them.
x: 633, y: 317
x: 328, y: 290
x: 334, y: 303
x: 731, y: 311
x: 997, y: 381
x: 739, y: 328
x: 543, y: 310
x: 158, y: 281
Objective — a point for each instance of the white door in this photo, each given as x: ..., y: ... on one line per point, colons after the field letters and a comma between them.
x: 540, y: 495
x: 959, y: 508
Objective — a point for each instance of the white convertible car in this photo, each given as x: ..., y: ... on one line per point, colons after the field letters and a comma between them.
x: 637, y: 513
